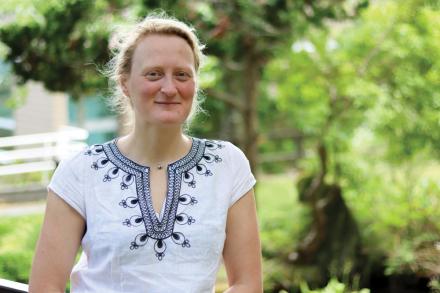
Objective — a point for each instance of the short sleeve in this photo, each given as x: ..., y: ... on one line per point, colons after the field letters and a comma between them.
x: 243, y: 179
x: 67, y: 184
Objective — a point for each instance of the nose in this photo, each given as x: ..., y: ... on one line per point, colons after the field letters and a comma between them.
x: 168, y: 87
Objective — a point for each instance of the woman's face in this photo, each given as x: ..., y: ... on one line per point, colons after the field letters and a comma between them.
x: 162, y: 81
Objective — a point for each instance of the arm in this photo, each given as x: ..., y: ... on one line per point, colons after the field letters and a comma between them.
x: 242, y: 251
x: 57, y: 246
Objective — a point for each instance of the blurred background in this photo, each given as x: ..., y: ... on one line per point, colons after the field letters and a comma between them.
x: 336, y: 104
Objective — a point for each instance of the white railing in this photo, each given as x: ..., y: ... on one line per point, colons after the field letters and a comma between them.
x: 39, y: 152
x: 7, y: 286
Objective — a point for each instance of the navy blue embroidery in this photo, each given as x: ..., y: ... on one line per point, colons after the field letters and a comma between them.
x: 112, y: 173
x: 133, y: 221
x: 139, y: 240
x: 179, y: 239
x: 129, y: 202
x: 185, y: 169
x: 100, y: 163
x: 95, y: 149
x: 160, y: 247
x: 188, y: 178
x: 201, y: 169
x: 127, y: 180
x: 213, y: 145
x: 186, y: 199
x: 184, y: 219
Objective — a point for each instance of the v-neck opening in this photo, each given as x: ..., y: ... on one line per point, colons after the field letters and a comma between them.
x: 159, y: 215
x: 157, y: 226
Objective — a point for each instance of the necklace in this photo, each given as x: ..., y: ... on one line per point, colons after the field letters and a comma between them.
x: 159, y: 166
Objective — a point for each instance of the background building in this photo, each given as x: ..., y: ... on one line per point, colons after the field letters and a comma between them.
x: 38, y: 110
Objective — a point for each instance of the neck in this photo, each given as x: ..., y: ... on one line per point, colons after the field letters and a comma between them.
x: 154, y: 146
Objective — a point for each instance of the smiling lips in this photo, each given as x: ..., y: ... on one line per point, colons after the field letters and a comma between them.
x: 167, y: 103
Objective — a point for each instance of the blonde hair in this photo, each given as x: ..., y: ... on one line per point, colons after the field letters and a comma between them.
x: 123, y: 45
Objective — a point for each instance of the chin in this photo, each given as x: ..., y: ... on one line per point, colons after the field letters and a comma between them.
x: 168, y: 122
x: 165, y: 119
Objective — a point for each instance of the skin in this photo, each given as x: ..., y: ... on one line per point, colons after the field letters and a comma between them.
x: 57, y: 246
x: 242, y: 250
x: 161, y: 89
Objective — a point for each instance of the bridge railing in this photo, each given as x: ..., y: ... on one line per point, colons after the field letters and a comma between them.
x: 7, y: 286
x: 36, y: 153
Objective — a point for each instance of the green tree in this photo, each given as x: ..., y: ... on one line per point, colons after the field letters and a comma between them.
x: 376, y: 78
x: 381, y: 71
x: 57, y: 43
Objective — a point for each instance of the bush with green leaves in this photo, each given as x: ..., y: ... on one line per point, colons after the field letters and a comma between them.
x: 334, y: 286
x: 18, y: 236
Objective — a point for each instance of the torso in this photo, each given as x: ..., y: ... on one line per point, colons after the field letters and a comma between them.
x: 129, y: 246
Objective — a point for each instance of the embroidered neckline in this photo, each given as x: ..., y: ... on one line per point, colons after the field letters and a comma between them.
x: 157, y: 229
x: 186, y: 170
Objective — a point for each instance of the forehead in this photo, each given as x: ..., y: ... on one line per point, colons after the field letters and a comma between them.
x: 163, y: 49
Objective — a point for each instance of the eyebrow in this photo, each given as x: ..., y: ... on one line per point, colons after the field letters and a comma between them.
x: 177, y: 68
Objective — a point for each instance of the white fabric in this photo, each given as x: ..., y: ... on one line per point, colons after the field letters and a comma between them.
x: 92, y: 182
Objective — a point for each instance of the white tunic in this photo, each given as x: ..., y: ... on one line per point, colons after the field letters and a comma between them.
x: 127, y: 247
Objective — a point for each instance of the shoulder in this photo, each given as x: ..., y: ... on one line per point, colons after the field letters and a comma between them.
x: 224, y: 145
x: 72, y: 158
x: 237, y: 174
x: 79, y: 160
x: 228, y: 151
x: 216, y: 144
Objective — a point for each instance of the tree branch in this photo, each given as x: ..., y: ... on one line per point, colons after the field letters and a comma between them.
x: 226, y: 98
x: 374, y: 51
x: 280, y: 133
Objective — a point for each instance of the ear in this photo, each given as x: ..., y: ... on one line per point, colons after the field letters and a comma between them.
x: 123, y: 84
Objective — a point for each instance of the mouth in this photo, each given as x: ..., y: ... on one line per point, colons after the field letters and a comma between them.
x: 167, y: 103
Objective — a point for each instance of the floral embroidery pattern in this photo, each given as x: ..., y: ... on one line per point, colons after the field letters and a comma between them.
x: 187, y: 170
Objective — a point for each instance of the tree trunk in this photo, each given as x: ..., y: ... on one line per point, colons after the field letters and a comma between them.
x: 251, y: 81
x: 231, y: 128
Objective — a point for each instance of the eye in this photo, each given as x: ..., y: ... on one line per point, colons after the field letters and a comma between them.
x: 183, y: 75
x: 153, y: 75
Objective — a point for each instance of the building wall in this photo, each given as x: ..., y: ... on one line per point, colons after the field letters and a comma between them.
x: 101, y: 124
x: 45, y: 111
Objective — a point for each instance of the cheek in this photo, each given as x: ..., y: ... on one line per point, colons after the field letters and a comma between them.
x: 188, y: 90
x: 149, y: 89
x: 141, y: 87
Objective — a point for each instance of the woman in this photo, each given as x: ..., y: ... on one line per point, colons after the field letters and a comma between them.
x: 155, y: 210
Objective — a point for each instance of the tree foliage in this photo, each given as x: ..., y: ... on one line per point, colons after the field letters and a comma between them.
x: 367, y: 91
x: 61, y: 43
x: 379, y: 72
